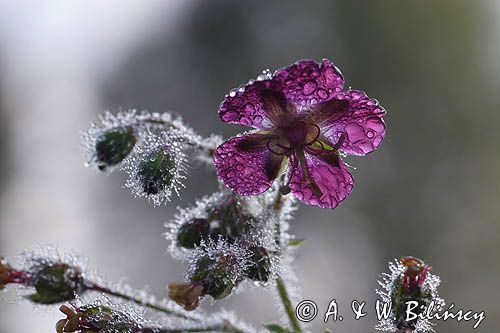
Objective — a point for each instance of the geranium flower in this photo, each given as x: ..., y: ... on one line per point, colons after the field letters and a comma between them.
x: 303, y: 119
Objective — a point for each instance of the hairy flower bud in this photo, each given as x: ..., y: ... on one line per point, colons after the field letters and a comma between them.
x: 71, y: 323
x: 113, y: 146
x: 228, y: 220
x: 214, y: 277
x: 186, y: 295
x: 409, y: 288
x: 410, y: 281
x: 157, y: 171
x: 191, y: 233
x: 157, y: 167
x: 57, y: 283
x: 95, y: 318
x: 259, y: 268
x: 221, y: 216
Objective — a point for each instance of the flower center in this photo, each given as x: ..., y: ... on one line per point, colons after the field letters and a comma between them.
x: 298, y: 138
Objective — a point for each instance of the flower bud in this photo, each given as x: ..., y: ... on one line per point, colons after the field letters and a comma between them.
x: 226, y: 221
x: 214, y: 276
x: 5, y: 270
x: 409, y: 288
x: 114, y: 145
x: 71, y: 323
x: 10, y: 275
x: 95, y: 318
x: 191, y: 233
x: 186, y: 295
x: 157, y: 171
x: 57, y: 283
x: 410, y: 281
x: 259, y: 268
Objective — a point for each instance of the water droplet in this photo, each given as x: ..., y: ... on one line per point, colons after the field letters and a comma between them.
x: 323, y: 93
x: 309, y: 87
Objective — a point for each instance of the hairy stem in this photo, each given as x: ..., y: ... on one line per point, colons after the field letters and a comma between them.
x: 196, y: 142
x: 227, y: 328
x: 138, y: 301
x: 287, y: 304
x: 280, y: 284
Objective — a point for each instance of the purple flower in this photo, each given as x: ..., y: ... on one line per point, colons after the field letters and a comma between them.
x: 302, y: 118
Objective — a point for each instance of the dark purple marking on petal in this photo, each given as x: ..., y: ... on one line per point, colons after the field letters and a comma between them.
x: 245, y: 105
x: 245, y: 167
x: 254, y: 141
x: 332, y: 159
x: 308, y: 83
x: 361, y: 124
x: 276, y: 106
x: 328, y: 111
x: 273, y: 166
x: 334, y: 182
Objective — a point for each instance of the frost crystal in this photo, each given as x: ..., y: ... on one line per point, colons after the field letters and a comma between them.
x: 221, y: 214
x: 158, y: 166
x: 227, y: 239
x: 110, y: 125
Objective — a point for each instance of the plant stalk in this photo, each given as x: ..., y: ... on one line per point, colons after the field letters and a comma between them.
x: 280, y: 284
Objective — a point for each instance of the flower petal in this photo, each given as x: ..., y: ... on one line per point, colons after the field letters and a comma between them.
x: 246, y: 165
x: 358, y: 122
x: 258, y: 104
x: 308, y: 83
x: 334, y: 182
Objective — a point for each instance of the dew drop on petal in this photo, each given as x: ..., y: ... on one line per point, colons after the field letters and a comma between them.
x: 322, y: 93
x: 309, y: 87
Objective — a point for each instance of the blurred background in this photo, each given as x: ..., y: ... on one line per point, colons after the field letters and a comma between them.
x: 431, y: 190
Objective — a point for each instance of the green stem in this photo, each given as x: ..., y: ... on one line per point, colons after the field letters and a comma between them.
x: 221, y: 328
x: 287, y: 304
x: 226, y: 327
x: 141, y: 302
x: 280, y: 284
x: 197, y: 144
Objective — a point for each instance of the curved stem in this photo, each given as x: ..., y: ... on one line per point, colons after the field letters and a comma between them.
x: 197, y: 143
x: 138, y: 301
x: 226, y: 326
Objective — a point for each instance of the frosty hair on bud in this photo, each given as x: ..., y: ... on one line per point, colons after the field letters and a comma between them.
x: 107, y: 144
x: 157, y: 168
x: 409, y: 280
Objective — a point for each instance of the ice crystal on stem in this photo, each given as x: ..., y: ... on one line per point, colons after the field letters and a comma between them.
x: 409, y: 280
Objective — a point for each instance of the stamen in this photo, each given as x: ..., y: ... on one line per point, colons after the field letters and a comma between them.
x: 318, y: 133
x: 286, y: 188
x: 286, y: 149
x: 339, y: 142
x: 268, y: 145
x: 320, y: 151
x: 305, y: 173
